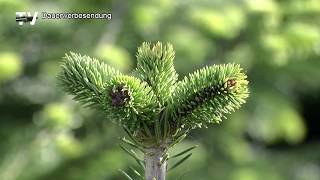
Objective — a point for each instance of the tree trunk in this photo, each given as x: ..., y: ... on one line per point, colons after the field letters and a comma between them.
x: 154, y: 169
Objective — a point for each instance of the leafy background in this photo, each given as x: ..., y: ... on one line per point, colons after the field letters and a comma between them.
x: 46, y: 135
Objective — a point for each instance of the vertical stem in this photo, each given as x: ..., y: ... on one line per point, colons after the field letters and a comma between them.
x: 154, y: 170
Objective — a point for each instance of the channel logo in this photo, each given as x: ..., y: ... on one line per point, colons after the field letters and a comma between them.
x: 24, y: 17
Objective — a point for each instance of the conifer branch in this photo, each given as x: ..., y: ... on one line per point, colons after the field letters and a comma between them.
x: 85, y: 78
x: 155, y: 66
x: 208, y: 94
x: 154, y: 109
x: 130, y: 102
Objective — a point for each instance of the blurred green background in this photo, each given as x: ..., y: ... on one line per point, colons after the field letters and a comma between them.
x: 44, y: 134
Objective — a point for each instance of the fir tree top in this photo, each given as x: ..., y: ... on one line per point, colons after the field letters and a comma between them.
x: 152, y: 105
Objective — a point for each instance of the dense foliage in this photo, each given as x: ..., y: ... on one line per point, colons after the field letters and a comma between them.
x: 154, y: 104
